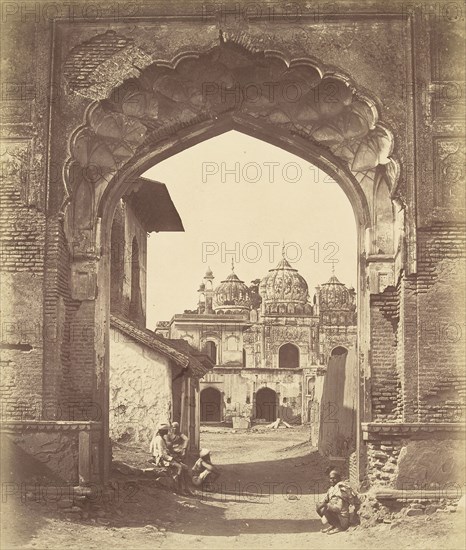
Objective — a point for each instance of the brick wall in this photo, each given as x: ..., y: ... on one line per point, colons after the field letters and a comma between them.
x: 385, y: 385
x: 441, y: 328
x: 22, y: 233
x: 69, y: 351
x: 382, y: 457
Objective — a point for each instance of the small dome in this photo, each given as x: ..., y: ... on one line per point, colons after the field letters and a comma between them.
x: 284, y: 284
x: 209, y: 274
x: 232, y: 294
x: 334, y: 295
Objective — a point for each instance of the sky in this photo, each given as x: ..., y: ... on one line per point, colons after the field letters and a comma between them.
x: 240, y: 199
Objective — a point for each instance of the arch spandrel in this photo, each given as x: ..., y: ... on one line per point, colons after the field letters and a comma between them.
x: 295, y: 98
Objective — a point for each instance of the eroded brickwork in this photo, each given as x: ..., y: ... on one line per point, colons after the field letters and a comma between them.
x: 441, y: 327
x: 22, y: 237
x: 386, y: 398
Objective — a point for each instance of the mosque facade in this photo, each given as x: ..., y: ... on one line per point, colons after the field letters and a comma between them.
x: 269, y: 341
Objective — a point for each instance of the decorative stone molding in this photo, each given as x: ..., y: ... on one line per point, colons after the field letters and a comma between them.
x: 374, y: 430
x: 15, y: 426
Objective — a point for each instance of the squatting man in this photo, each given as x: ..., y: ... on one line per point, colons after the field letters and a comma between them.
x: 168, y: 448
x: 340, y: 505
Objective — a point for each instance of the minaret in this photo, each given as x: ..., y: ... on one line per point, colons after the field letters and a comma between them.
x: 209, y: 291
x: 201, y: 299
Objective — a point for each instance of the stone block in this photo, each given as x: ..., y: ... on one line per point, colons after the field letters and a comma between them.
x: 414, y: 512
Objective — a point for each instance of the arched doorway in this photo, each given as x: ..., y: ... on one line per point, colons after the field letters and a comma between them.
x: 288, y: 357
x: 266, y: 405
x: 339, y: 350
x: 211, y: 405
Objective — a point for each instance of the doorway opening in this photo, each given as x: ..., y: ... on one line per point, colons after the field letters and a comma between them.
x: 211, y: 405
x: 266, y: 405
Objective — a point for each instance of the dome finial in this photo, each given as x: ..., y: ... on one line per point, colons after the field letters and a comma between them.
x: 232, y: 265
x: 283, y: 248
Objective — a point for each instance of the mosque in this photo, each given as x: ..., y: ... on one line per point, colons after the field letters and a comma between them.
x: 269, y: 342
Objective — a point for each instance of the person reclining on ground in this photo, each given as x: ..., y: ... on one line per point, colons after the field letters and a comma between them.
x: 203, y: 470
x: 335, y: 508
x: 177, y: 442
x: 162, y: 457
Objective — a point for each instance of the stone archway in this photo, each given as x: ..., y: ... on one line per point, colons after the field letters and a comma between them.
x: 165, y: 110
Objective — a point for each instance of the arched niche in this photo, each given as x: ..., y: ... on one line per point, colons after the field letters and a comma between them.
x: 383, y: 241
x: 118, y: 258
x: 288, y: 356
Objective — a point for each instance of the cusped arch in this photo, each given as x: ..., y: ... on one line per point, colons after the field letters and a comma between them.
x: 327, y: 113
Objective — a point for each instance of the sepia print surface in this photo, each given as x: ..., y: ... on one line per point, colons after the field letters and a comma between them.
x: 232, y: 274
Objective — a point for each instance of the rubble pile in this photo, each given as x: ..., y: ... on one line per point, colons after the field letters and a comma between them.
x: 392, y: 511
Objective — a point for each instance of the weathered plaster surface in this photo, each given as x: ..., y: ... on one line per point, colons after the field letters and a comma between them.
x: 140, y: 390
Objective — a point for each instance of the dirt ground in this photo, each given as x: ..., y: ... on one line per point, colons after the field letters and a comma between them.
x: 265, y: 499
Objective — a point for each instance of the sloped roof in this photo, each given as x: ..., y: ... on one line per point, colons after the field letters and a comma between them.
x: 154, y: 206
x: 185, y: 347
x: 172, y: 349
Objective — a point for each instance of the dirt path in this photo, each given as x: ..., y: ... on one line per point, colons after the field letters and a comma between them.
x: 265, y: 499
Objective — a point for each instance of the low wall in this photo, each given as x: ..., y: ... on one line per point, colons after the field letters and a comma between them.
x: 68, y: 452
x: 415, y: 456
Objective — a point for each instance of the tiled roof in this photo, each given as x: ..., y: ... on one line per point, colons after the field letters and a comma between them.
x: 172, y: 349
x: 185, y: 347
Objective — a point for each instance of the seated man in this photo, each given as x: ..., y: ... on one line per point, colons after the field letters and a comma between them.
x: 204, y: 470
x: 163, y: 457
x: 335, y: 508
x: 176, y: 441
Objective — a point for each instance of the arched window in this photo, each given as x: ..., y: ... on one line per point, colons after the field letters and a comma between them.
x: 383, y: 219
x: 288, y: 357
x: 211, y: 350
x: 135, y: 306
x: 117, y: 261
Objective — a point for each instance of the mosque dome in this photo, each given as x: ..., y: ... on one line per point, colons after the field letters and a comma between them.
x: 231, y: 295
x: 334, y: 295
x: 284, y: 284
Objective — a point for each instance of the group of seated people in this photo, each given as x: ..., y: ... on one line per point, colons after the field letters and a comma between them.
x: 168, y: 448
